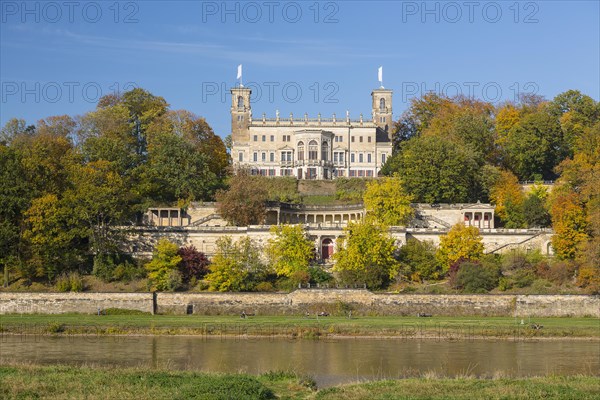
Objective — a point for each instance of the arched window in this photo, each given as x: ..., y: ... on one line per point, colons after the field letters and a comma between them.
x: 300, y: 151
x: 381, y: 104
x: 324, y: 151
x: 240, y: 102
x: 313, y: 150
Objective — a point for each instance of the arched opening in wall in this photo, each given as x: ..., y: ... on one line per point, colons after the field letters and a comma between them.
x: 324, y: 151
x: 381, y: 104
x: 326, y: 249
x: 300, y: 151
x: 240, y: 102
x: 549, y: 249
x: 313, y: 150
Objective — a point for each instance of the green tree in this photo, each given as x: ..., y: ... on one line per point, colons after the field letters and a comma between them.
x: 535, y: 146
x: 290, y: 250
x: 461, y: 242
x: 386, y: 200
x: 535, y: 212
x: 366, y: 255
x: 418, y: 261
x: 14, y: 200
x: 437, y: 170
x: 163, y: 269
x: 243, y: 203
x: 176, y: 171
x: 236, y: 266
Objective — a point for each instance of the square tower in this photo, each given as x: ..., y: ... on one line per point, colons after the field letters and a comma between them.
x: 382, y: 109
x: 241, y: 114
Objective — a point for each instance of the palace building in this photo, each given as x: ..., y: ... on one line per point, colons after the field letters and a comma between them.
x: 311, y: 148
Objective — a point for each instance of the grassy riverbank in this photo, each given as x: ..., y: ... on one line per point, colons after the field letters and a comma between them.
x: 299, y: 326
x: 63, y: 382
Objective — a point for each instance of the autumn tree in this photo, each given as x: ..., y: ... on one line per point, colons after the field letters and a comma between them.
x: 236, y: 266
x: 290, y: 251
x: 461, y: 242
x: 507, y: 195
x: 55, y: 244
x: 366, y: 255
x: 386, y: 200
x: 163, y: 269
x: 570, y: 225
x: 243, y: 203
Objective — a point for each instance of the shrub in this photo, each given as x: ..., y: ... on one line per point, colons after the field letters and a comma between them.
x: 116, y: 267
x: 475, y: 278
x: 418, y: 261
x: 559, y: 272
x: 129, y: 271
x: 265, y: 287
x: 194, y: 263
x: 589, y: 278
x: 319, y: 275
x: 72, y: 282
x: 163, y: 268
x: 63, y: 284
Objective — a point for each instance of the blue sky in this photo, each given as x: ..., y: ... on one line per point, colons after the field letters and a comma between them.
x: 56, y: 57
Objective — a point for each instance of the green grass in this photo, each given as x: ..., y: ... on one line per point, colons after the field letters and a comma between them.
x: 64, y: 382
x: 576, y: 388
x: 300, y: 326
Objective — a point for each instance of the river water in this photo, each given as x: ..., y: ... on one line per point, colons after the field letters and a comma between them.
x: 328, y: 361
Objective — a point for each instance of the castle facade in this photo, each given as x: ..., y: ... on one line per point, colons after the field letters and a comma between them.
x: 311, y: 148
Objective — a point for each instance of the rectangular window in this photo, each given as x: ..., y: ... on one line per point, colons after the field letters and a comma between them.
x: 360, y: 157
x: 271, y: 172
x: 361, y: 173
x: 241, y: 157
x: 272, y: 138
x: 340, y: 172
x: 360, y: 139
x: 352, y: 139
x: 352, y: 157
x: 370, y: 173
x: 264, y: 157
x: 341, y: 138
x: 342, y: 158
x: 369, y: 139
x: 272, y: 157
x: 369, y: 157
x: 352, y: 173
x: 255, y: 157
x: 240, y: 118
x: 383, y: 158
x: 263, y: 172
x: 255, y: 138
x: 264, y: 138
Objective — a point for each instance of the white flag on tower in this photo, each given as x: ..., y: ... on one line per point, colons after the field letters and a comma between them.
x: 380, y: 75
x: 239, y: 74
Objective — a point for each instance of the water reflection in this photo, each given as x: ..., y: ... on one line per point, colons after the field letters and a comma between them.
x: 329, y: 361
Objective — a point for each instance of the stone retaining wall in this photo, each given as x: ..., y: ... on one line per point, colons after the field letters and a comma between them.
x: 85, y: 303
x: 333, y: 301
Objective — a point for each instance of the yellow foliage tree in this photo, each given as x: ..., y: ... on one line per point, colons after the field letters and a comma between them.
x: 461, y: 242
x: 570, y: 225
x: 289, y: 251
x: 506, y: 117
x: 507, y: 195
x: 386, y: 200
x: 366, y: 254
